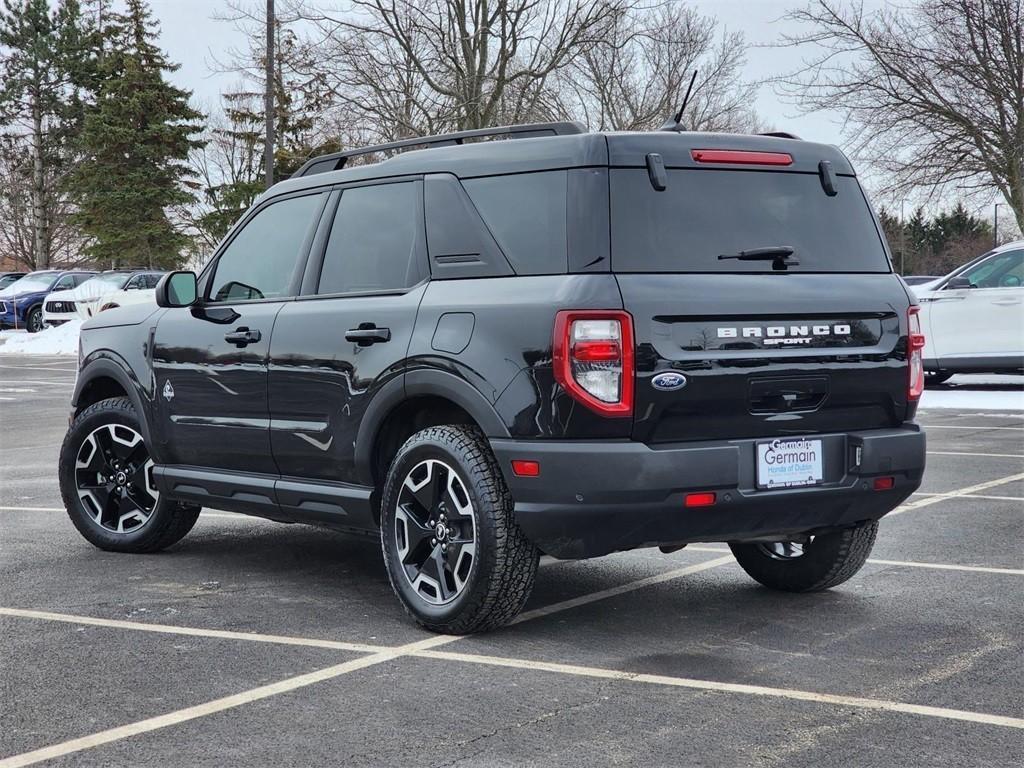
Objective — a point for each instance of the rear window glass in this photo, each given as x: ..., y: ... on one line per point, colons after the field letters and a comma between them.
x: 526, y: 215
x: 703, y: 214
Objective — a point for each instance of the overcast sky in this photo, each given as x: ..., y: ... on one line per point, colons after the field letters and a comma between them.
x: 194, y: 39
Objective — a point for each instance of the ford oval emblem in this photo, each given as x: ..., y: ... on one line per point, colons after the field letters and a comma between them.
x: 668, y: 381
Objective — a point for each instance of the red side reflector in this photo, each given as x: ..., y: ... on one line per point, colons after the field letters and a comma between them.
x: 524, y: 468
x: 699, y: 499
x: 884, y: 483
x: 740, y: 157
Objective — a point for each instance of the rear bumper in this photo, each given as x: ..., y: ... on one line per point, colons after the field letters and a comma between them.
x: 593, y: 498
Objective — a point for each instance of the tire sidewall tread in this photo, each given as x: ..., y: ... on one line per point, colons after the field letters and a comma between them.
x: 169, y: 522
x: 506, y: 561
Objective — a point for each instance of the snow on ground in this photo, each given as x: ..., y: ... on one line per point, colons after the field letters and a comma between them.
x: 983, y: 392
x: 988, y: 392
x: 61, y: 340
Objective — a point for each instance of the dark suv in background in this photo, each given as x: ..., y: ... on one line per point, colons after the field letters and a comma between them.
x: 572, y: 343
x: 21, y: 302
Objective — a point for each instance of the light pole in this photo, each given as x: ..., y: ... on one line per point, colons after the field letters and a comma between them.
x: 268, y: 105
x: 995, y: 225
x: 903, y: 240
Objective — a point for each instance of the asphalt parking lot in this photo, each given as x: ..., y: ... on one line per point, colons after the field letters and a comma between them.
x: 253, y: 643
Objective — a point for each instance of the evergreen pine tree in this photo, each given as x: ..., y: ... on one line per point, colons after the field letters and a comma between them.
x: 136, y: 141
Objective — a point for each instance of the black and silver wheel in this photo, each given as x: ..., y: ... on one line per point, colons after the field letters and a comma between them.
x: 114, y: 478
x: 106, y: 480
x: 34, y: 320
x: 435, y: 532
x: 454, y: 554
x: 810, y: 564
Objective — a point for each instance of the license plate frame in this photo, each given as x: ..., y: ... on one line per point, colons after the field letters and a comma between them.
x: 796, y: 462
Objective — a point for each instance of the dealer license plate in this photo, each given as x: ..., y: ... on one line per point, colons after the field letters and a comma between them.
x: 789, y: 463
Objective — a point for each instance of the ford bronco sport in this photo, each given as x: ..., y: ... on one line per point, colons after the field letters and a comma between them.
x: 569, y: 343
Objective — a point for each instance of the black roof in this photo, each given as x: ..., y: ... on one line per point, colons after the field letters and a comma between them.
x: 560, y: 151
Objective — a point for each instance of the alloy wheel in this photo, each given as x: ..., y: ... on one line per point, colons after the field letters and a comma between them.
x: 785, y: 550
x: 435, y: 532
x: 35, y: 321
x: 114, y: 478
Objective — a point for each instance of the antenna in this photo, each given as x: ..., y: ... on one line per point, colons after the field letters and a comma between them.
x: 673, y: 124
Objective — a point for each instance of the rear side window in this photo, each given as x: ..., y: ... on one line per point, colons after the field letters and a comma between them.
x: 526, y: 215
x: 260, y: 262
x: 705, y: 213
x: 376, y: 241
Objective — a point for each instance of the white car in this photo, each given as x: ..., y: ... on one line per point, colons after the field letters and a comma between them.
x: 141, y: 289
x: 973, y: 318
x: 87, y: 298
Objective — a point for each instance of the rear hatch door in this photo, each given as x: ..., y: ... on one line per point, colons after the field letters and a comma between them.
x: 817, y: 346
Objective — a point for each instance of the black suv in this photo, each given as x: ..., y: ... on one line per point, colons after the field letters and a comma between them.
x: 571, y: 343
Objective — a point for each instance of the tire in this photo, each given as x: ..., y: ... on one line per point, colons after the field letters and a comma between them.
x: 936, y: 378
x: 34, y: 320
x: 502, y: 563
x: 136, y: 520
x: 826, y: 560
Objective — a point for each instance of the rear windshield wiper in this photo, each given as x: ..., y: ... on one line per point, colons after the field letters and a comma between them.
x: 778, y: 255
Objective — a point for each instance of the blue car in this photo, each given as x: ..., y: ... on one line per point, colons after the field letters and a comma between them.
x: 21, y: 303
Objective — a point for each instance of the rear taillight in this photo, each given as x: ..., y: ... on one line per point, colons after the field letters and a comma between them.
x: 593, y: 359
x: 915, y: 354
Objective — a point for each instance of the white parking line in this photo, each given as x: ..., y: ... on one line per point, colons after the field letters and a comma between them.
x: 711, y: 685
x: 960, y: 426
x: 32, y: 509
x: 906, y: 563
x: 169, y: 629
x: 284, y: 686
x: 622, y: 589
x: 218, y: 705
x: 971, y: 453
x: 37, y: 368
x: 960, y: 492
x: 976, y: 496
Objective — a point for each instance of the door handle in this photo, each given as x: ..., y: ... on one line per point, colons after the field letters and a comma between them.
x: 241, y: 337
x: 367, y: 334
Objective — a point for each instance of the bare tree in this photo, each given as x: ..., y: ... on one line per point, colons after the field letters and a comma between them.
x: 18, y: 206
x: 634, y: 78
x: 408, y: 67
x: 934, y: 94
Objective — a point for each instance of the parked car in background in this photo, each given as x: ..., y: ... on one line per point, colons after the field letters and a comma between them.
x: 21, y: 303
x: 6, y: 278
x: 920, y: 279
x: 85, y: 299
x: 973, y: 318
x: 138, y: 289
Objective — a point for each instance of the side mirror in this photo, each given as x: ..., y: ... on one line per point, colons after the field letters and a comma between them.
x: 958, y: 282
x: 177, y: 289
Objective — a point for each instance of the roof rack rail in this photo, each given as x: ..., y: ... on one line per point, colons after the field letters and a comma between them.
x: 336, y: 160
x: 781, y: 135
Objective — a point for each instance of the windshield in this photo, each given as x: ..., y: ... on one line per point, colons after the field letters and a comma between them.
x: 32, y: 283
x: 703, y: 214
x: 110, y: 280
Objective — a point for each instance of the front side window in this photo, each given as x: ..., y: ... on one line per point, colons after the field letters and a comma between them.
x: 376, y: 241
x: 1003, y: 270
x: 260, y: 261
x: 65, y: 283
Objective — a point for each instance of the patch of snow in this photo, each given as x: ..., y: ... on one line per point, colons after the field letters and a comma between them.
x: 988, y: 392
x: 61, y: 340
